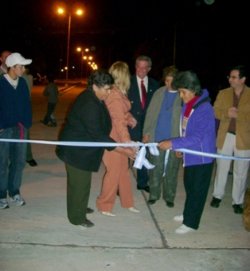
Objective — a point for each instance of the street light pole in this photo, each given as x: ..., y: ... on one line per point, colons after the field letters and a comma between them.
x: 174, y: 45
x: 68, y: 46
x: 82, y: 65
x: 84, y: 57
x: 61, y: 10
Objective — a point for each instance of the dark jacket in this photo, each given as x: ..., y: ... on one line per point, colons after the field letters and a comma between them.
x: 136, y: 108
x: 15, y: 104
x: 89, y: 121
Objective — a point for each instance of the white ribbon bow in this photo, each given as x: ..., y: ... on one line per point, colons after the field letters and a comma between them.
x: 141, y: 159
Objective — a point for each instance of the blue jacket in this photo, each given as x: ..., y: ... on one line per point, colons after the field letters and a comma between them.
x: 200, y: 132
x: 15, y: 104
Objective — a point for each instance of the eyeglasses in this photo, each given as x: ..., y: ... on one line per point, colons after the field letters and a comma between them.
x: 233, y: 77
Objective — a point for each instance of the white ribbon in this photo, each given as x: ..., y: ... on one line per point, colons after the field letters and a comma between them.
x: 141, y: 159
x: 165, y: 162
x: 152, y: 147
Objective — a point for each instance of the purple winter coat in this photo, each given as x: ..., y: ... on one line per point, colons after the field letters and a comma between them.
x: 200, y: 132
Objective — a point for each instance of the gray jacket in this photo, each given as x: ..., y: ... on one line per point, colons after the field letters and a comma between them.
x: 153, y: 113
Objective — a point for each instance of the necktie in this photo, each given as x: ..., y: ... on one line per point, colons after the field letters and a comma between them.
x: 143, y: 94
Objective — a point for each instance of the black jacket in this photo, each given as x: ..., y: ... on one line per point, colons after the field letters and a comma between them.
x: 88, y: 120
x: 136, y: 109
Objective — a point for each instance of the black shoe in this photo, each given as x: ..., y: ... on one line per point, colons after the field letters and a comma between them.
x: 32, y: 163
x: 170, y: 204
x: 237, y: 208
x: 215, y: 202
x: 51, y: 124
x: 43, y: 122
x: 89, y: 210
x: 87, y: 224
x: 145, y: 188
x: 151, y: 201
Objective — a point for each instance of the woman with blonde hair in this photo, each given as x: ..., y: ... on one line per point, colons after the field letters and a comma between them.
x: 116, y: 180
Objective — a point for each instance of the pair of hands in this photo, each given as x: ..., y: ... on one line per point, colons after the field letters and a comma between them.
x: 131, y: 152
x: 166, y: 145
x: 163, y: 145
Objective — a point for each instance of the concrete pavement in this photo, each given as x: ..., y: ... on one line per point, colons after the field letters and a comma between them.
x: 39, y: 237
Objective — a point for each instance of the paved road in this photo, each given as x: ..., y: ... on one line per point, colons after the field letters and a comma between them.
x: 38, y: 236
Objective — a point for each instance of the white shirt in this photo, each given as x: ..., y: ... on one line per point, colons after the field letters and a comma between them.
x: 13, y: 82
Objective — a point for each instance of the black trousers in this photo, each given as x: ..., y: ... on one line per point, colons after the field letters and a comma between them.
x: 142, y: 177
x: 50, y: 109
x: 78, y: 190
x: 196, y: 182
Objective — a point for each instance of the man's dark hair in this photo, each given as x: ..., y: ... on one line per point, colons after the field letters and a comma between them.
x: 242, y: 70
x: 100, y: 78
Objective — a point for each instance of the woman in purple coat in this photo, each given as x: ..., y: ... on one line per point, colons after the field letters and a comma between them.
x: 198, y: 134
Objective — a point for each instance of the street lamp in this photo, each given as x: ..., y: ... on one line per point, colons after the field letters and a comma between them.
x: 83, y: 55
x: 61, y: 10
x: 88, y: 59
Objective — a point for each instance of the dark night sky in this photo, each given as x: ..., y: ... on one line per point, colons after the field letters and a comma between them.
x: 209, y: 38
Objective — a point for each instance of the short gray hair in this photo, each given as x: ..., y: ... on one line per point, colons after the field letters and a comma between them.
x: 188, y: 80
x: 144, y: 58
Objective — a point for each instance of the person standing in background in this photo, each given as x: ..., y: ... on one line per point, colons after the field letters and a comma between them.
x: 163, y: 121
x: 29, y: 156
x: 50, y: 91
x: 15, y: 120
x: 141, y: 90
x: 232, y: 109
x: 29, y: 80
x: 3, y: 56
x: 117, y: 179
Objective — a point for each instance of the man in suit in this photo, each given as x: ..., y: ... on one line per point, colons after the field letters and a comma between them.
x: 140, y: 93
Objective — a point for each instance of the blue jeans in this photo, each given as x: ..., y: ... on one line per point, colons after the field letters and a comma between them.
x: 12, y: 162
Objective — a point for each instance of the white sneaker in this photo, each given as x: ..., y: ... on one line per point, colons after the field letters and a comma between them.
x: 17, y: 200
x: 178, y: 218
x: 4, y: 204
x: 184, y: 229
x: 107, y: 213
x: 133, y: 210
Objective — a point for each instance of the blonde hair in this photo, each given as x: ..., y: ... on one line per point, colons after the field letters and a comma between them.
x: 120, y: 72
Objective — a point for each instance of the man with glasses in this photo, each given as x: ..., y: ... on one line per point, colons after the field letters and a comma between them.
x: 232, y: 109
